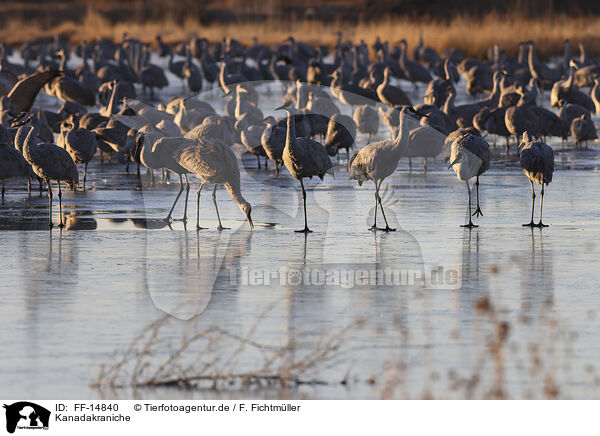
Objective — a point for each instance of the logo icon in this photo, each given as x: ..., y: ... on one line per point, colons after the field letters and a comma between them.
x: 26, y: 415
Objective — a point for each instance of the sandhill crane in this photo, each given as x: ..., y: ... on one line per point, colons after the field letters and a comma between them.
x: 152, y: 76
x: 425, y: 142
x: 49, y: 162
x: 391, y: 118
x: 541, y: 71
x: 12, y: 162
x: 436, y: 118
x: 569, y: 111
x: 470, y: 157
x: 250, y: 136
x: 212, y: 161
x: 378, y: 160
x: 321, y: 105
x: 67, y: 88
x: 537, y: 162
x: 582, y: 128
x: 192, y: 75
x: 565, y: 90
x: 350, y: 94
x: 273, y: 141
x: 23, y: 93
x: 176, y: 67
x: 303, y: 157
x: 80, y: 143
x: 492, y: 121
x: 367, y: 120
x: 520, y: 119
x: 595, y: 92
x: 163, y: 48
x: 161, y: 154
x: 413, y: 71
x: 389, y: 94
x: 341, y: 132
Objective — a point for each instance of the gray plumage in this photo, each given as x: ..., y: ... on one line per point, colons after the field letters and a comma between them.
x: 12, y: 163
x: 413, y: 71
x: 470, y: 157
x: 537, y: 162
x: 378, y: 160
x: 583, y: 129
x: 303, y: 157
x: 389, y: 94
x: 273, y: 142
x: 66, y: 88
x: 366, y: 119
x: 49, y: 162
x: 341, y: 134
x: 212, y: 161
x: 569, y: 111
x: 23, y: 93
x: 79, y: 142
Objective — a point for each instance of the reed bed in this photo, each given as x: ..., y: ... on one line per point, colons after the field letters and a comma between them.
x: 471, y: 35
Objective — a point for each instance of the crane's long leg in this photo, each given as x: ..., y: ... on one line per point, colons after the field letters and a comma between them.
x: 3, y: 189
x: 61, y: 224
x: 374, y: 226
x: 214, y: 196
x: 425, y: 166
x: 198, y: 208
x: 187, y: 194
x: 84, y: 175
x: 387, y: 227
x: 478, y: 211
x: 168, y: 218
x: 470, y: 225
x: 258, y: 161
x: 305, y: 229
x: 541, y: 224
x: 531, y: 224
x: 50, y: 203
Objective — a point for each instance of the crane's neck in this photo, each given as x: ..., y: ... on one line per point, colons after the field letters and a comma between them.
x: 569, y: 81
x: 402, y: 136
x: 449, y: 104
x: 63, y: 61
x: 386, y: 78
x: 30, y: 140
x: 238, y: 101
x: 113, y: 100
x: 290, y: 138
x: 403, y: 52
x: 495, y: 96
x: 235, y: 192
x: 521, y: 58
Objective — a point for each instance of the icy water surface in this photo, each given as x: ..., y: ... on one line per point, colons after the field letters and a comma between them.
x: 502, y: 310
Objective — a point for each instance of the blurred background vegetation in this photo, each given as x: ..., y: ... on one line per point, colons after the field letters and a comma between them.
x: 467, y: 24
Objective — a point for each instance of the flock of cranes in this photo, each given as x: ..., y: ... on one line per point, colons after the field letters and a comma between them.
x: 103, y: 115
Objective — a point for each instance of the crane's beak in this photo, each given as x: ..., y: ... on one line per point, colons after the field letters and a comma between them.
x: 283, y: 106
x: 454, y: 163
x: 422, y: 114
x: 250, y: 221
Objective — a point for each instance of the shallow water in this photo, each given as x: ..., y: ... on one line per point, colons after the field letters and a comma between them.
x: 74, y: 297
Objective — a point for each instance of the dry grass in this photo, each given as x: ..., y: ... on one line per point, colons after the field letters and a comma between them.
x: 472, y: 36
x: 212, y: 357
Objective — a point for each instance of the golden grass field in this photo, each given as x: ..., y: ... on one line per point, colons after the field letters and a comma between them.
x: 472, y: 35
